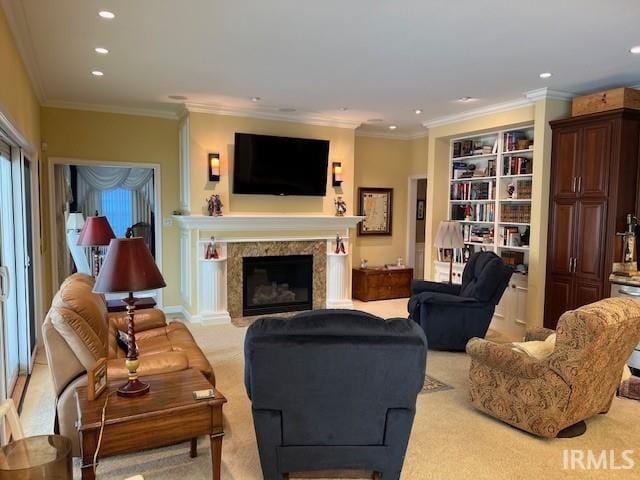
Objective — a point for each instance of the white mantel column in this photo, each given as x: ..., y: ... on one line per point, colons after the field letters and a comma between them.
x: 212, y: 291
x: 338, y: 279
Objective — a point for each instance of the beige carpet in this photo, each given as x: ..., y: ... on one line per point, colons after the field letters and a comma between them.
x: 450, y: 440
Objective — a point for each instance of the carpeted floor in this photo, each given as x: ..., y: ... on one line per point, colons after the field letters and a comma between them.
x: 450, y: 440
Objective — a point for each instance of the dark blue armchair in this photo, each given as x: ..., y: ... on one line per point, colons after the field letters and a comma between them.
x: 333, y: 389
x: 451, y: 315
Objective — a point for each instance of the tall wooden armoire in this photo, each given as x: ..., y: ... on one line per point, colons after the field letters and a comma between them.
x: 594, y: 180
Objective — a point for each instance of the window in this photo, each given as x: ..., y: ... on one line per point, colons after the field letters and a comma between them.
x: 117, y: 206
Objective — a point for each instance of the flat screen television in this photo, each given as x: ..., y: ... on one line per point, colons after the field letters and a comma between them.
x: 269, y: 165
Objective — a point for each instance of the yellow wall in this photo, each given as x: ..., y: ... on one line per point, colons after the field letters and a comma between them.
x: 17, y: 98
x: 215, y: 133
x: 118, y: 138
x: 383, y: 163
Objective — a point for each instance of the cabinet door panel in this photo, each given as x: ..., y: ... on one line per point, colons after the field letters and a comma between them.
x: 595, y: 160
x: 558, y: 299
x: 590, y: 241
x: 520, y: 311
x: 587, y: 292
x: 561, y: 236
x: 565, y: 162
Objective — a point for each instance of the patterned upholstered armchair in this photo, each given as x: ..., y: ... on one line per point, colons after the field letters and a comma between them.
x: 578, y: 380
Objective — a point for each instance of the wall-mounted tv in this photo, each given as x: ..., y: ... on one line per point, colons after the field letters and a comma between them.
x: 269, y: 165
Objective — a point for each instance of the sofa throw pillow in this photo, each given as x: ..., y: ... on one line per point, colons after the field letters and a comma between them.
x: 538, y: 349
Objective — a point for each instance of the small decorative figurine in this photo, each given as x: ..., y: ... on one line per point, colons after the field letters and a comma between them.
x: 341, y: 206
x: 511, y: 190
x: 340, y: 245
x: 214, y: 205
x: 212, y: 251
x: 364, y: 263
x: 467, y: 212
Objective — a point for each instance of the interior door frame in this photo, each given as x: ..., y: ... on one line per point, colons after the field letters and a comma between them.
x: 12, y: 134
x: 412, y: 196
x: 53, y: 161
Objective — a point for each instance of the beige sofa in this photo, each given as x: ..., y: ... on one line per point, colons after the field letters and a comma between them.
x: 77, y: 331
x: 578, y: 380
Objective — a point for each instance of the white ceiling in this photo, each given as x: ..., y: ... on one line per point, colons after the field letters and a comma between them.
x: 379, y: 58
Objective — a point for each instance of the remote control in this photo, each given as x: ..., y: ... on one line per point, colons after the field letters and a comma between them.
x: 203, y: 394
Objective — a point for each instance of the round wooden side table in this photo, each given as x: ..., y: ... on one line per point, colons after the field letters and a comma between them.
x: 37, y: 458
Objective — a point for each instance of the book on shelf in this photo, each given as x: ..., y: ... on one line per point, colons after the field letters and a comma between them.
x: 516, y: 140
x: 477, y: 234
x: 516, y: 213
x: 478, y: 212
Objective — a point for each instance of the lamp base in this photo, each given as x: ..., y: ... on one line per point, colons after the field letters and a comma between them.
x: 133, y: 388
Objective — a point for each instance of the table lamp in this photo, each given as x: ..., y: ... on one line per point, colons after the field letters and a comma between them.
x: 129, y: 267
x: 95, y: 233
x: 75, y: 221
x: 449, y: 236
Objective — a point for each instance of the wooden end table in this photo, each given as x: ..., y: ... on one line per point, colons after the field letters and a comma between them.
x: 379, y: 283
x: 168, y: 414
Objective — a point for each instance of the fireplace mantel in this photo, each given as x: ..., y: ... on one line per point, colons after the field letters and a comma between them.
x: 266, y: 223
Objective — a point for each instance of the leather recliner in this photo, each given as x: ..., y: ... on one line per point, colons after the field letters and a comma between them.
x: 78, y: 331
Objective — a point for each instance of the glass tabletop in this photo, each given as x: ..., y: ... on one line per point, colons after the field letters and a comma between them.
x: 34, y: 452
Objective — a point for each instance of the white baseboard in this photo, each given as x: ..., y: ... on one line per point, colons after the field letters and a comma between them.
x: 217, y: 318
x: 347, y: 304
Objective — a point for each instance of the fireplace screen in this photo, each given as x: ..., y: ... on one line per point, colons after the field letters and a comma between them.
x: 277, y: 284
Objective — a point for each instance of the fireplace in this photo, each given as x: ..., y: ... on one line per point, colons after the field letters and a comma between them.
x: 275, y: 284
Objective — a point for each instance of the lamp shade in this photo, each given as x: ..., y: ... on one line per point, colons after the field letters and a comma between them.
x: 75, y: 221
x: 96, y: 231
x: 128, y: 267
x: 449, y: 235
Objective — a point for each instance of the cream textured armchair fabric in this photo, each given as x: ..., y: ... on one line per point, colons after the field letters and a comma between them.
x: 78, y: 331
x: 578, y: 380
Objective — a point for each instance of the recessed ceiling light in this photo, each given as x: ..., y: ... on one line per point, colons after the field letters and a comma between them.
x: 107, y: 14
x: 375, y: 120
x: 545, y: 75
x: 101, y: 50
x: 635, y: 50
x: 392, y: 127
x: 466, y: 99
x: 344, y: 109
x: 255, y: 99
x: 97, y: 73
x: 418, y: 111
x: 177, y: 97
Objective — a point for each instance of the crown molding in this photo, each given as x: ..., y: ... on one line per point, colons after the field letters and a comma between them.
x: 478, y: 112
x: 391, y: 135
x: 548, y: 94
x: 14, y: 12
x: 94, y: 107
x: 302, y: 117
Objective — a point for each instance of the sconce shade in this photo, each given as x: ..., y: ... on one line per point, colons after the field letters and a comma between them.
x: 95, y: 232
x: 336, y: 173
x: 128, y: 267
x: 449, y: 235
x: 214, y: 167
x: 75, y: 221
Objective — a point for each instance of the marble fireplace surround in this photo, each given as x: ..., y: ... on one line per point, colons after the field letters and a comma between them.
x: 237, y: 251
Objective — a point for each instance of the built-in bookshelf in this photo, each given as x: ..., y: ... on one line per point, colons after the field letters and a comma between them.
x: 490, y: 185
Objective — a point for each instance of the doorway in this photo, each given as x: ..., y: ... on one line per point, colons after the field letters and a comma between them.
x: 128, y: 194
x: 416, y: 225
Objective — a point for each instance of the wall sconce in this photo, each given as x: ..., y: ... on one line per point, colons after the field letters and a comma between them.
x: 336, y: 172
x: 214, y: 167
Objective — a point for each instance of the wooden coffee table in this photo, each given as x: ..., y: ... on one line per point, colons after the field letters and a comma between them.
x: 168, y: 414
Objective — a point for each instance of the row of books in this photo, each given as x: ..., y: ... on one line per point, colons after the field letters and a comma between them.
x: 516, y: 213
x: 517, y: 166
x: 510, y: 236
x: 467, y: 148
x: 460, y: 255
x: 473, y: 191
x: 479, y: 212
x: 523, y: 189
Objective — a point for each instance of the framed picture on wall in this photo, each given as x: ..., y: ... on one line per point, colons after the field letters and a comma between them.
x: 420, y: 210
x: 376, y: 205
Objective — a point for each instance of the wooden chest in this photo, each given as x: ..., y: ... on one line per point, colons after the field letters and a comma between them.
x: 381, y: 283
x: 607, y: 100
